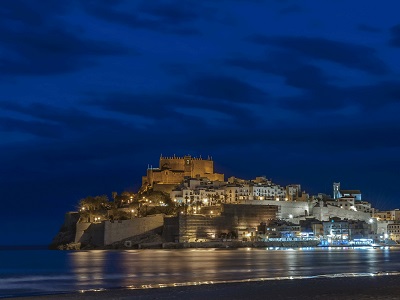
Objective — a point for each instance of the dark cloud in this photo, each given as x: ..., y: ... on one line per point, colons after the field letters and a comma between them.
x: 29, y: 13
x: 35, y: 128
x: 370, y: 29
x: 330, y: 98
x: 319, y: 92
x: 50, y: 51
x: 293, y: 8
x: 170, y: 12
x: 298, y: 73
x: 179, y: 109
x: 71, y: 118
x: 165, y: 17
x: 36, y: 42
x: 224, y: 87
x: 349, y: 55
x: 153, y: 107
x: 373, y: 96
x: 395, y: 39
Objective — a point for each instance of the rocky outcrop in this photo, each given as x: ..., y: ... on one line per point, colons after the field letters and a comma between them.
x: 65, y: 238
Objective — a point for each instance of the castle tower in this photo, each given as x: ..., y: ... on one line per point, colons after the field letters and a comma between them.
x: 188, y: 165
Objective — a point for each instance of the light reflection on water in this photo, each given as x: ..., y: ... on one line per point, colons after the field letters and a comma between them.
x: 96, y: 269
x: 145, y: 267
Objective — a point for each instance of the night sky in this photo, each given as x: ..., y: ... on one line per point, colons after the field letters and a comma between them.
x: 93, y: 91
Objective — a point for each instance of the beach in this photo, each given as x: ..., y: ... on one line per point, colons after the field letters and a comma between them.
x: 344, y: 288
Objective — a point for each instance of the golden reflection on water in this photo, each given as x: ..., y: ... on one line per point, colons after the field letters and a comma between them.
x: 166, y: 268
x: 88, y: 266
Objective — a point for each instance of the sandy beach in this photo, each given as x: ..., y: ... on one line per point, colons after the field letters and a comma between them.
x: 369, y: 287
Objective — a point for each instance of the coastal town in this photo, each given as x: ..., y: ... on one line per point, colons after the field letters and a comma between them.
x: 184, y: 203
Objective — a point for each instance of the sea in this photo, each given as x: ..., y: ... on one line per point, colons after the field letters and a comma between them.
x: 29, y: 271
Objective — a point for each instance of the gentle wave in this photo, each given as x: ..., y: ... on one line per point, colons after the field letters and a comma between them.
x: 16, y: 282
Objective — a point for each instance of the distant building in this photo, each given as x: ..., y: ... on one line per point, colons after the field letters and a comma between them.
x: 387, y: 215
x: 394, y: 231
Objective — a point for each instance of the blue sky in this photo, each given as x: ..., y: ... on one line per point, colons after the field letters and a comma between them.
x: 92, y: 91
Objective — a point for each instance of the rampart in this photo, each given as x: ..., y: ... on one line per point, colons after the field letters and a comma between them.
x: 107, y: 232
x: 326, y: 212
x: 119, y: 230
x: 233, y: 218
x: 286, y: 209
x: 90, y: 234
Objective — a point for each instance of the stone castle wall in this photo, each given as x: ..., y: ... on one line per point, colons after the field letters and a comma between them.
x: 286, y: 208
x: 119, y: 230
x: 107, y: 232
x: 248, y: 215
x: 90, y: 233
x: 233, y: 218
x: 324, y: 213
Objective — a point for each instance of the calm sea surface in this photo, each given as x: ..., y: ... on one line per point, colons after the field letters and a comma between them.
x: 31, y: 272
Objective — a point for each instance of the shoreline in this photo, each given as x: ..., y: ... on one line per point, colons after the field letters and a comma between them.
x: 359, y: 287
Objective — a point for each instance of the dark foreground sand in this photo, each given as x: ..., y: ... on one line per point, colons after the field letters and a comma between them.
x: 376, y: 287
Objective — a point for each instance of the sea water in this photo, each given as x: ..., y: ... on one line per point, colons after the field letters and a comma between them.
x: 36, y: 272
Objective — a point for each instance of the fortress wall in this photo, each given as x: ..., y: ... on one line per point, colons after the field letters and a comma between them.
x: 286, y: 207
x: 119, y: 230
x: 249, y: 216
x: 177, y: 163
x: 215, y: 177
x: 192, y: 227
x: 202, y: 166
x: 171, y: 177
x: 233, y: 218
x: 90, y: 233
x: 324, y: 213
x: 165, y: 176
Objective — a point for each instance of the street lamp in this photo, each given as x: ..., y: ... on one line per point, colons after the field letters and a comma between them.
x: 132, y: 211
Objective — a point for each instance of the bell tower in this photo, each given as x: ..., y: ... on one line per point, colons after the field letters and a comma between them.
x: 336, y: 190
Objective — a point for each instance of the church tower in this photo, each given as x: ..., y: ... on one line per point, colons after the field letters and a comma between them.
x: 336, y: 190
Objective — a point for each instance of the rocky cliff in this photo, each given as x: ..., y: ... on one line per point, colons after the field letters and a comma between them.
x: 65, y: 237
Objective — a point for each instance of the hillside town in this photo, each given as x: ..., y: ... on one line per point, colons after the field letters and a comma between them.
x: 183, y: 202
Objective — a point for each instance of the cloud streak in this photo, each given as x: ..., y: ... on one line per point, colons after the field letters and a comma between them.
x: 349, y: 55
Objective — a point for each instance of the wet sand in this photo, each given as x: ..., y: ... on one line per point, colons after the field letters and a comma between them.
x: 371, y: 287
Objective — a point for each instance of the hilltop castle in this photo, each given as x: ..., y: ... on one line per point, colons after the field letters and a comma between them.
x: 173, y: 170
